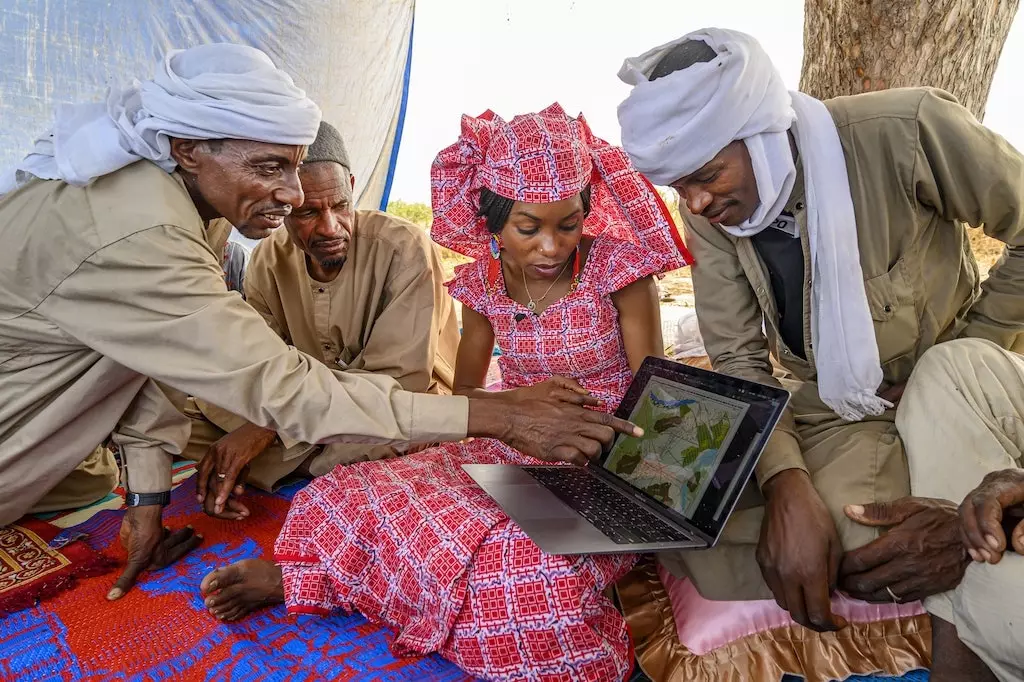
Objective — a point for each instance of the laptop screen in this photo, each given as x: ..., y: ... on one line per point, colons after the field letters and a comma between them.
x: 703, y: 433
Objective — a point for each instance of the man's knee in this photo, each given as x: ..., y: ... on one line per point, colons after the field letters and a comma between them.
x: 92, y: 480
x: 945, y: 365
x: 987, y: 607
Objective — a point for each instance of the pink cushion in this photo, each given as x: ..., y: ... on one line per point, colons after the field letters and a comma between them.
x: 704, y: 625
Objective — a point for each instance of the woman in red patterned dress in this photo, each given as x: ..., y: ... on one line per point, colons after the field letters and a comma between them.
x: 567, y: 237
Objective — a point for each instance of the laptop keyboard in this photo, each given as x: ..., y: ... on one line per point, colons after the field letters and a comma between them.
x: 624, y: 521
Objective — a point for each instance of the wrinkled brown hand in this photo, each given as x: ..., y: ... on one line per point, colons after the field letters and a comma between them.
x: 222, y: 470
x: 149, y: 545
x: 550, y: 421
x: 920, y: 555
x: 982, y: 511
x: 799, y: 551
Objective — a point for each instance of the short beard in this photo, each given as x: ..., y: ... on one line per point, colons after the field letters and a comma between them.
x: 333, y: 263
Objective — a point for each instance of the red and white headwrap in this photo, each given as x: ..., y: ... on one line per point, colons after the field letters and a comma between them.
x: 543, y: 158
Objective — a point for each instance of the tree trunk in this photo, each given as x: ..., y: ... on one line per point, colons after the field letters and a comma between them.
x: 853, y: 46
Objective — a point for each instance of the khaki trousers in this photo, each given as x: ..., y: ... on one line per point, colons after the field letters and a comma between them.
x: 962, y: 417
x: 848, y: 464
x: 107, y: 400
x: 91, y: 481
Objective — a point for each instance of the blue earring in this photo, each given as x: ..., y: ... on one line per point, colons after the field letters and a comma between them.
x: 495, y: 248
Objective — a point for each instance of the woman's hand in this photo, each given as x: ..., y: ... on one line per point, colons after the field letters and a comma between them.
x: 561, y: 389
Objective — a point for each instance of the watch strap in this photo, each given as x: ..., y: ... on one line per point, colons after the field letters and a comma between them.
x: 146, y: 499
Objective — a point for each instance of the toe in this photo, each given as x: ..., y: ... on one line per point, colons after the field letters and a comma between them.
x: 211, y: 581
x: 222, y: 578
x: 222, y: 600
x: 229, y: 597
x: 234, y: 614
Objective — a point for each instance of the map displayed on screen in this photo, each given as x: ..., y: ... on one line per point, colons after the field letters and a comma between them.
x: 686, y: 433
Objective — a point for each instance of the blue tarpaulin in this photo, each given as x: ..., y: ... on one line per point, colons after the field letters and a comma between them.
x: 352, y: 57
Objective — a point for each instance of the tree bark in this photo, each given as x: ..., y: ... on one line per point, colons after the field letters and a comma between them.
x: 853, y: 46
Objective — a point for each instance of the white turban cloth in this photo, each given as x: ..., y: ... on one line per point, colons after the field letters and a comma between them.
x: 674, y: 125
x: 209, y: 92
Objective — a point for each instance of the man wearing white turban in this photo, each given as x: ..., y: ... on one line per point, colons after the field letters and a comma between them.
x: 830, y: 237
x: 110, y: 286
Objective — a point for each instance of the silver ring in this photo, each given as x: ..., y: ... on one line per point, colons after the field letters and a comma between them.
x: 892, y: 594
x: 222, y: 476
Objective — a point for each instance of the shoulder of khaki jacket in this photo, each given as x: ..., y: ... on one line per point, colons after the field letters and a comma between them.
x: 138, y: 197
x: 879, y: 132
x: 897, y: 104
x: 82, y: 221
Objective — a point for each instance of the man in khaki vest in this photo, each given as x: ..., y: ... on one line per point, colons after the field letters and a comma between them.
x: 110, y: 286
x: 358, y: 290
x: 831, y: 254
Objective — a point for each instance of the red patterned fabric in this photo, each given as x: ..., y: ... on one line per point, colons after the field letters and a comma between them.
x: 415, y: 544
x: 576, y: 336
x: 543, y: 158
x: 31, y: 570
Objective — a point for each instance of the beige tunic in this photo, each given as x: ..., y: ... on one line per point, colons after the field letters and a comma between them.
x: 386, y: 312
x: 962, y: 417
x: 109, y: 287
x: 920, y: 167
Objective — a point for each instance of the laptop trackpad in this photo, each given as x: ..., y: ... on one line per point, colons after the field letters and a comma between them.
x: 528, y: 502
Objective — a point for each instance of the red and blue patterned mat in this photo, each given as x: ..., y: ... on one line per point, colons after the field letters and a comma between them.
x: 160, y: 631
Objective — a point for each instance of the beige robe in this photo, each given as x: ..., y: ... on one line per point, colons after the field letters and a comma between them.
x: 97, y: 476
x: 112, y: 286
x: 962, y: 417
x: 386, y: 312
x: 920, y: 167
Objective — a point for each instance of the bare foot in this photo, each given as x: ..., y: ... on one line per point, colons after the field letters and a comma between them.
x: 235, y: 591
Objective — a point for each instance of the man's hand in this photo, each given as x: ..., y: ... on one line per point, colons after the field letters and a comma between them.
x: 894, y: 393
x: 548, y: 428
x: 981, y: 514
x: 220, y: 470
x: 921, y: 554
x: 799, y: 551
x: 149, y: 545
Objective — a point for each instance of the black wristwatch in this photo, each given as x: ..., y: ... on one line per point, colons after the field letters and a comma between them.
x: 147, y: 499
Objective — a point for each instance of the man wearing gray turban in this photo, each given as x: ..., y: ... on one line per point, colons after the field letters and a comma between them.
x: 109, y: 286
x: 830, y: 237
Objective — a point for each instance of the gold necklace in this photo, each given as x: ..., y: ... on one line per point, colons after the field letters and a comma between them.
x: 532, y: 305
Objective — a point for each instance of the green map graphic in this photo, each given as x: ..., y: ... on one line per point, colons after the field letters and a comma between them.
x: 684, y: 433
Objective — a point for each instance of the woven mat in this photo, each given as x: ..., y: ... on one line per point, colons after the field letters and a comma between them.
x: 160, y: 630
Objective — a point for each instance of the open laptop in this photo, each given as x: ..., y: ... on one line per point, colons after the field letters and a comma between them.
x: 674, y: 488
